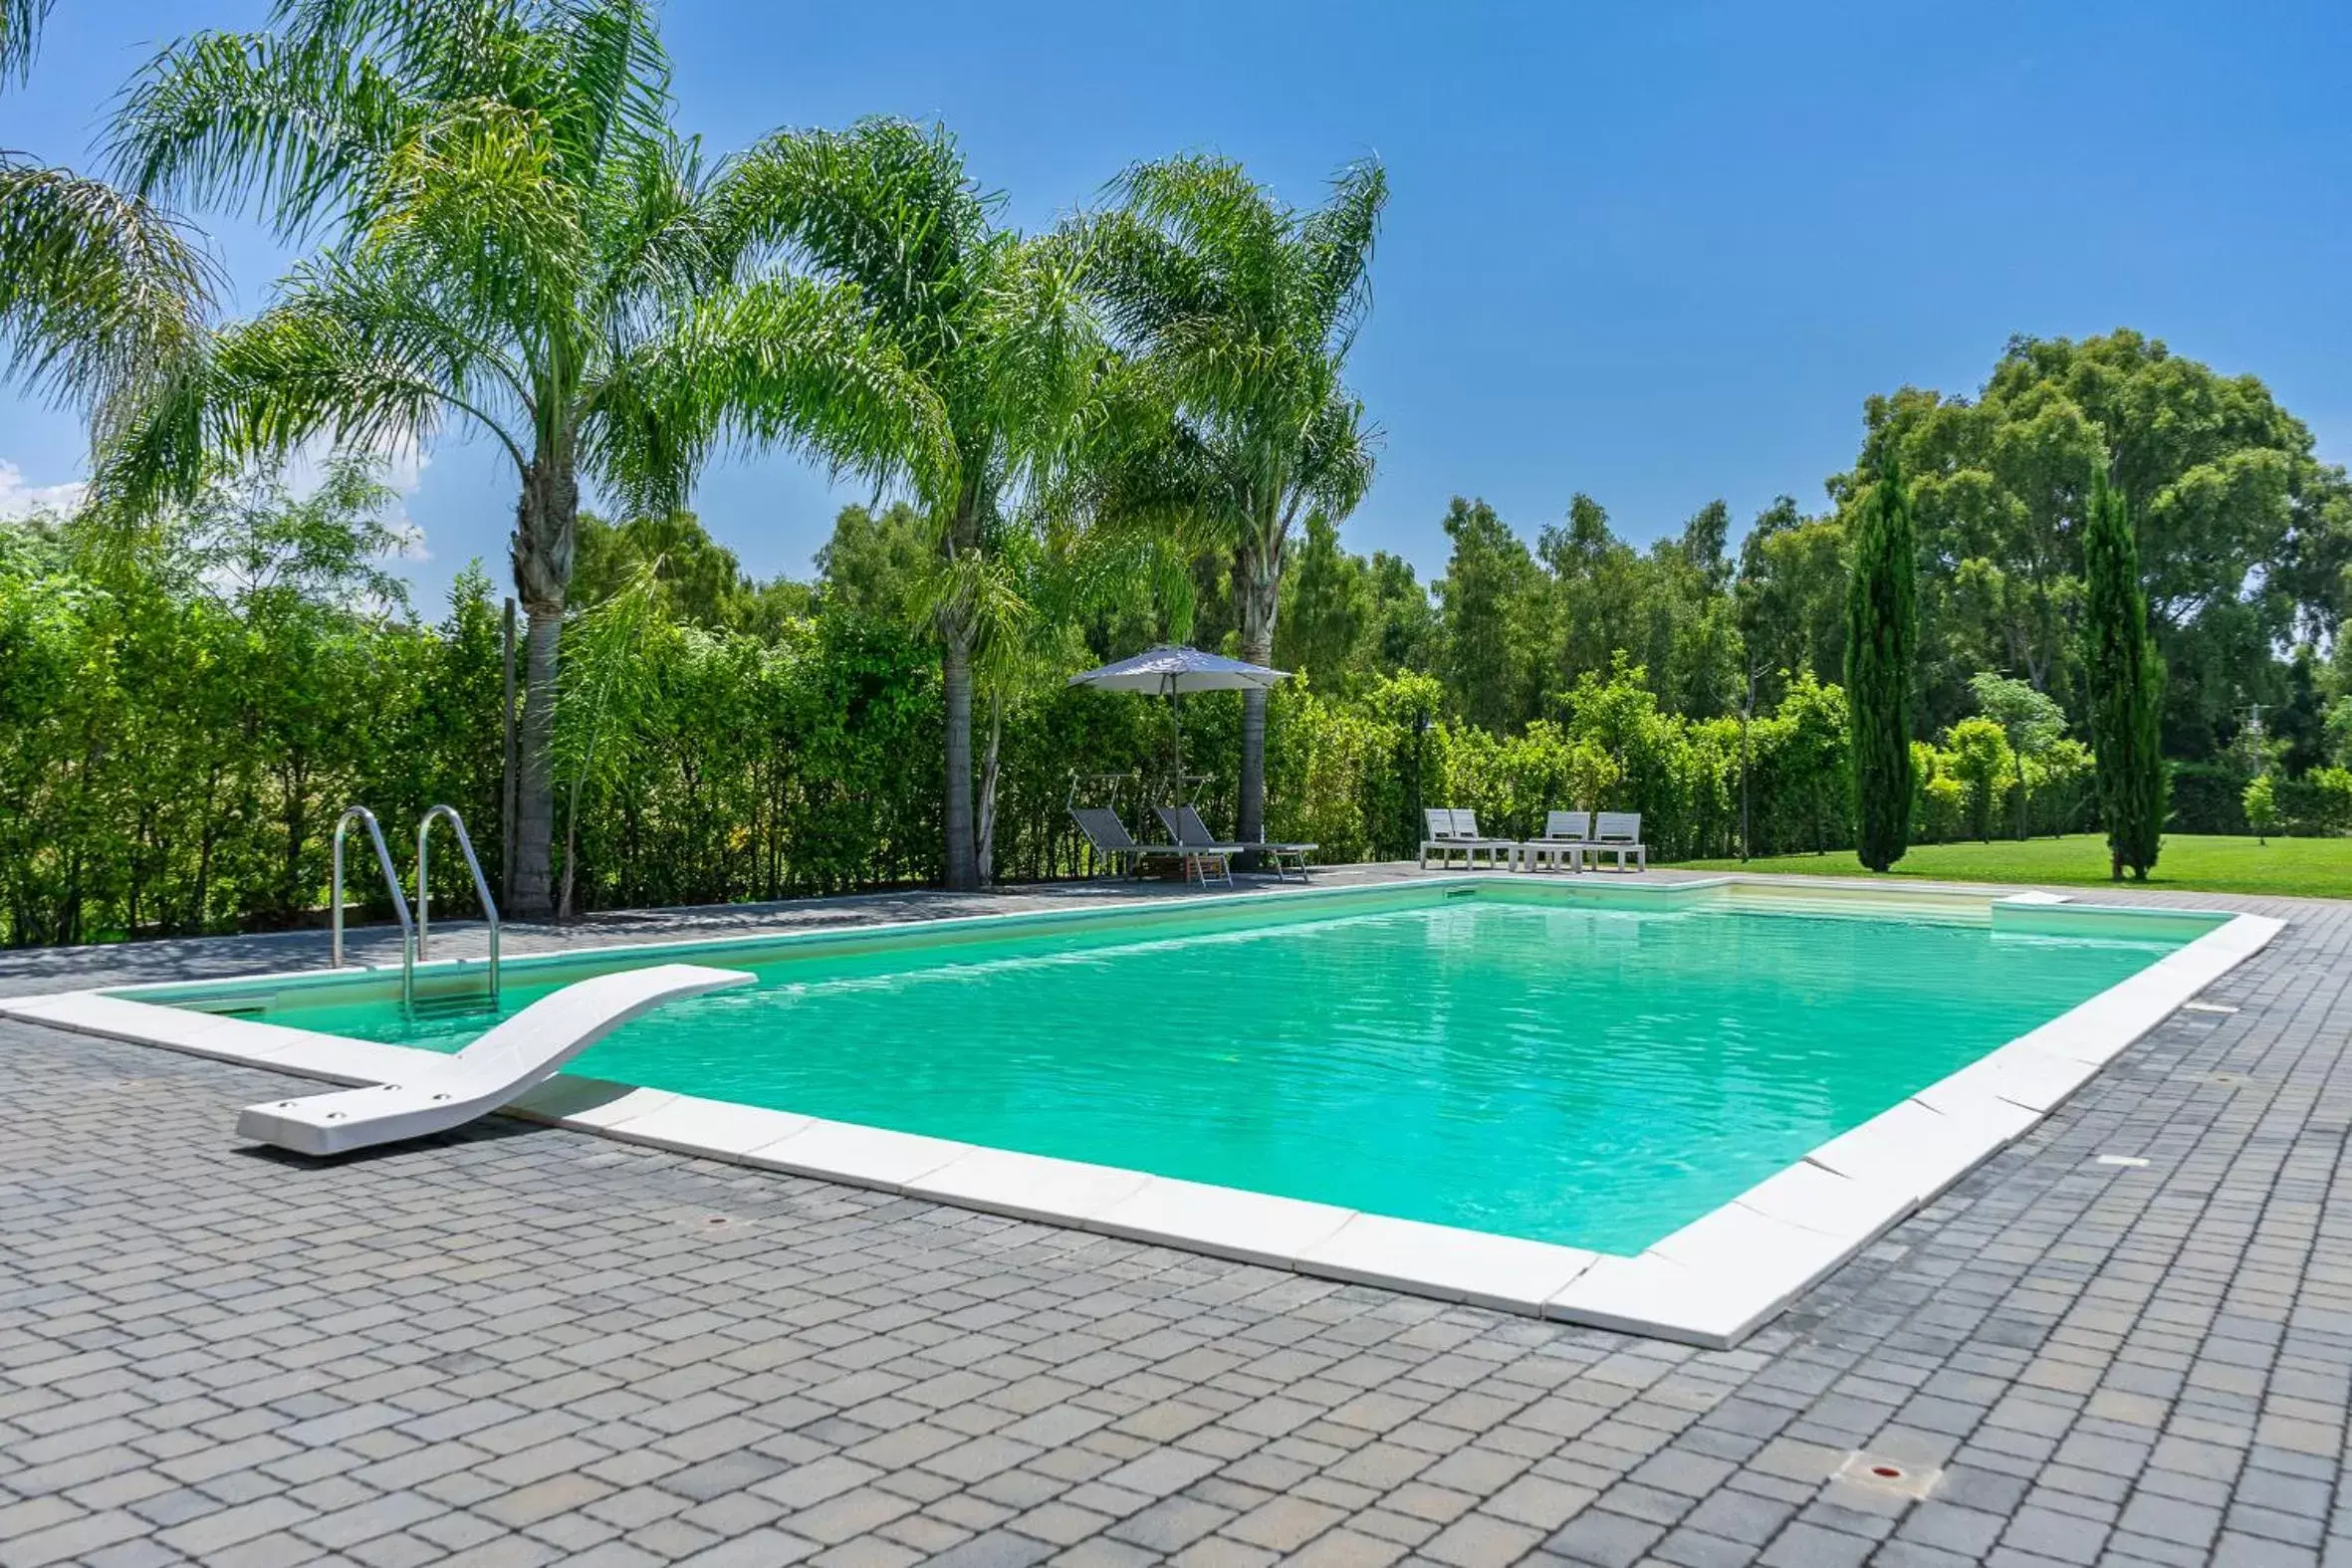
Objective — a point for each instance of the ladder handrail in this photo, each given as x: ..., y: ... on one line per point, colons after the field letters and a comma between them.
x: 425, y: 891
x: 391, y: 878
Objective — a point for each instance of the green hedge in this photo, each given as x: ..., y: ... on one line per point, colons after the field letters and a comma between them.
x: 172, y: 759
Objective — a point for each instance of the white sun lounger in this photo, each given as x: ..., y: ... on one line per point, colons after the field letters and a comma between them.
x: 1454, y: 831
x: 1184, y: 825
x: 1566, y: 836
x: 1619, y: 832
x: 526, y: 1050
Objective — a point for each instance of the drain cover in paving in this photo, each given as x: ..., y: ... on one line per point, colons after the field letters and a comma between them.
x: 1889, y: 1477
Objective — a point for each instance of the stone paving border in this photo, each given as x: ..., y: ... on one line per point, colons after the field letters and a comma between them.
x: 525, y: 1346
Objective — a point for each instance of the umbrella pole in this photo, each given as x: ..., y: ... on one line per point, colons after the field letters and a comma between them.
x: 1176, y: 720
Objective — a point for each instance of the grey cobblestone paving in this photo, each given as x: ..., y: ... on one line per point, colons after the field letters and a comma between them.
x: 525, y: 1346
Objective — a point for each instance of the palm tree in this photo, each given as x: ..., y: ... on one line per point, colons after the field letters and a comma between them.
x: 20, y: 35
x: 997, y: 325
x: 520, y: 243
x: 1242, y: 310
x: 96, y: 286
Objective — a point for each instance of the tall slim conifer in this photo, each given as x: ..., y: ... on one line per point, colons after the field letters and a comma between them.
x: 2126, y: 685
x: 1882, y: 637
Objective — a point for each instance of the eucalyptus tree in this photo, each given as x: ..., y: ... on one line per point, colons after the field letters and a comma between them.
x: 1243, y: 310
x: 96, y: 286
x: 517, y: 244
x: 1000, y: 330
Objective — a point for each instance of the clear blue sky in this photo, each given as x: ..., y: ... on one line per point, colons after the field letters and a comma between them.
x: 1659, y: 253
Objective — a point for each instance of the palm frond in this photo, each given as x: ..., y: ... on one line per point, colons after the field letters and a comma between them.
x: 655, y: 229
x: 359, y: 355
x: 1244, y: 312
x: 20, y: 36
x: 774, y: 361
x: 1337, y: 240
x: 96, y: 288
x: 1145, y: 278
x: 1336, y: 458
x: 1211, y: 207
x: 442, y: 50
x: 886, y: 204
x: 293, y: 129
x: 1033, y: 347
x: 614, y: 74
x: 472, y: 200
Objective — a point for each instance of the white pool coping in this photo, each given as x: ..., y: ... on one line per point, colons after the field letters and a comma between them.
x: 1710, y: 1283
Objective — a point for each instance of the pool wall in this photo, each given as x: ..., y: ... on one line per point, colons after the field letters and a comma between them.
x: 1710, y: 1283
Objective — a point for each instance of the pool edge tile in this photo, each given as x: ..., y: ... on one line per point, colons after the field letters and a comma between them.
x: 1817, y: 1199
x: 1910, y: 1147
x: 1649, y: 1296
x: 577, y: 1102
x: 1029, y: 1186
x: 1747, y: 1244
x: 718, y: 1129
x: 1226, y: 1221
x: 2025, y: 1076
x: 1451, y: 1262
x: 861, y: 1156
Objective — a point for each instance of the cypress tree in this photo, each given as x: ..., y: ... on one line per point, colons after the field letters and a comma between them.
x: 1882, y: 635
x: 2126, y: 680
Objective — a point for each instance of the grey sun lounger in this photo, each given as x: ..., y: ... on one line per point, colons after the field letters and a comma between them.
x: 1111, y: 840
x: 1455, y: 831
x: 1184, y: 825
x: 449, y: 1091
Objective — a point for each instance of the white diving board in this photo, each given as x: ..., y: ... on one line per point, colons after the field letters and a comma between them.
x: 527, y: 1049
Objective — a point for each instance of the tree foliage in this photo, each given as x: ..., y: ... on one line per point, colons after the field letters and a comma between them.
x: 1241, y: 311
x: 519, y: 243
x: 2244, y: 533
x: 98, y: 288
x: 996, y: 330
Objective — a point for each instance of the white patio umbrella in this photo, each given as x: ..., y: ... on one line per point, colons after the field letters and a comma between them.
x: 1170, y: 671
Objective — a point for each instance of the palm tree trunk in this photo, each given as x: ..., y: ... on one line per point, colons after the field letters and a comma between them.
x: 535, y: 777
x: 547, y: 519
x: 963, y: 862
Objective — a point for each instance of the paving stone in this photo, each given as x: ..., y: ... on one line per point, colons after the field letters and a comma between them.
x: 1605, y: 1539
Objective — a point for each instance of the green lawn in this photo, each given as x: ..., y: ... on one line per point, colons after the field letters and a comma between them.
x: 2307, y: 867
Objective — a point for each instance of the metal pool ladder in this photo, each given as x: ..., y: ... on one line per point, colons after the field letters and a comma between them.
x: 392, y: 881
x: 414, y: 933
x: 424, y: 890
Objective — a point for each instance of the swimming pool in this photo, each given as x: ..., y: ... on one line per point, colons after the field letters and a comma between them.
x: 1592, y: 1069
x: 1586, y: 1074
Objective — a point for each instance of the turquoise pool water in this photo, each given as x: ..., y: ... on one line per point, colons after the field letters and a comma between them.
x: 1587, y: 1075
